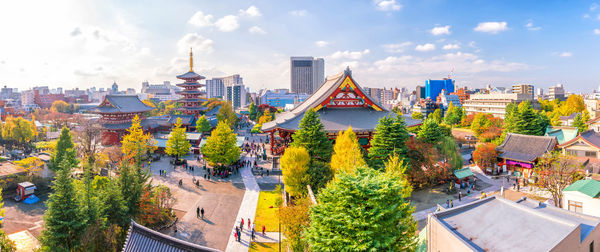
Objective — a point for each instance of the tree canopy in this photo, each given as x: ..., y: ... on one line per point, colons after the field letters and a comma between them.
x: 556, y: 172
x: 390, y: 137
x: 311, y: 135
x: 62, y: 107
x: 365, y: 210
x: 136, y: 144
x: 347, y: 152
x: 221, y: 146
x: 202, y: 124
x: 65, y: 153
x: 525, y: 120
x: 454, y: 115
x: 177, y: 144
x: 579, y: 123
x: 226, y: 114
x: 294, y: 164
x: 430, y: 132
x: 436, y: 116
x: 417, y: 115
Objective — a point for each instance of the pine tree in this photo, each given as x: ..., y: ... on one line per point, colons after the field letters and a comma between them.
x: 203, y: 125
x: 580, y: 124
x: 177, y: 144
x: 221, y: 146
x: 112, y: 204
x: 311, y: 135
x: 63, y: 221
x: 390, y: 137
x: 65, y: 153
x: 430, y: 132
x: 365, y: 210
x: 136, y: 144
x: 525, y: 120
x: 132, y: 181
x: 252, y: 111
x: 347, y: 152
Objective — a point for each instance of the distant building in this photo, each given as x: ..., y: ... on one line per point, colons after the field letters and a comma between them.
x: 162, y: 92
x: 495, y: 103
x: 592, y: 106
x: 420, y: 92
x: 116, y: 113
x: 280, y: 98
x: 236, y: 94
x: 462, y: 94
x: 114, y: 89
x: 192, y: 95
x: 568, y: 120
x: 556, y: 92
x: 433, y: 88
x: 444, y: 100
x: 306, y: 74
x: 583, y: 197
x: 523, y: 89
x: 497, y: 224
x: 424, y: 106
x: 215, y: 88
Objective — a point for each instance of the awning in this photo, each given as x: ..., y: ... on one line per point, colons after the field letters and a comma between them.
x: 463, y: 173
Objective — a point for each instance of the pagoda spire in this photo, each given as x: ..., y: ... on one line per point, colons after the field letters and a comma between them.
x: 191, y: 61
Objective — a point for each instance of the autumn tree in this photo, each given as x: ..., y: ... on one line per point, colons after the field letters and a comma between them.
x: 32, y: 165
x: 203, y: 125
x: 347, y: 152
x: 556, y: 171
x: 574, y: 104
x: 221, y: 146
x: 65, y: 153
x: 136, y: 144
x: 177, y: 144
x: 485, y: 155
x: 295, y: 219
x: 18, y: 130
x: 294, y: 164
x: 436, y: 116
x: 266, y: 117
x: 366, y: 210
x: 61, y: 107
x: 417, y: 115
x: 89, y: 140
x: 226, y: 114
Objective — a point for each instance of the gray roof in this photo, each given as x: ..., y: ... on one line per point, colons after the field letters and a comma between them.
x: 213, y: 111
x: 497, y: 224
x: 525, y: 148
x: 146, y: 124
x: 337, y: 118
x: 570, y: 117
x: 190, y: 75
x: 590, y: 136
x: 121, y: 104
x: 185, y: 119
x: 140, y: 238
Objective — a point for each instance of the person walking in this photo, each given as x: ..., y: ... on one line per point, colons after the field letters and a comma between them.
x: 447, y: 203
x: 459, y: 195
x: 242, y: 225
x: 451, y: 203
x: 202, y: 212
x: 198, y: 212
x: 248, y: 223
x: 264, y: 229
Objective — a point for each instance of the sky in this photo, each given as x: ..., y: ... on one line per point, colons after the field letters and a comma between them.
x: 386, y: 43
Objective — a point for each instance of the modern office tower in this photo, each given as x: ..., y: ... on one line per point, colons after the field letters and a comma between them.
x: 236, y: 94
x: 306, y: 74
x: 523, y: 89
x: 434, y: 87
x: 556, y: 92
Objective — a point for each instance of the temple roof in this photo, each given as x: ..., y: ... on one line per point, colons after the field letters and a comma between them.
x: 145, y: 124
x: 525, y: 148
x: 190, y: 75
x: 140, y: 238
x: 338, y: 116
x: 591, y: 137
x: 121, y: 104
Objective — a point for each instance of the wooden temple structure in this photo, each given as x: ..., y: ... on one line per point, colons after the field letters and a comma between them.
x: 340, y: 102
x: 116, y: 113
x: 192, y: 96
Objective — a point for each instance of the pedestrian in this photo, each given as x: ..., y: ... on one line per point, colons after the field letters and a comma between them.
x: 451, y: 203
x: 447, y: 203
x: 202, y: 212
x: 252, y: 235
x: 198, y: 212
x: 518, y: 187
x: 242, y: 224
x: 459, y: 195
x: 507, y: 179
x: 248, y: 223
x: 235, y: 234
x: 264, y: 229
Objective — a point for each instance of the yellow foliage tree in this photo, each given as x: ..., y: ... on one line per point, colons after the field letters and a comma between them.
x: 573, y: 104
x: 294, y: 164
x: 135, y: 143
x: 266, y: 117
x: 31, y: 165
x: 347, y: 154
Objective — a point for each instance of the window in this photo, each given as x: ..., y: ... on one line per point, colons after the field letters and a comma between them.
x: 590, y: 154
x: 575, y: 206
x: 571, y: 152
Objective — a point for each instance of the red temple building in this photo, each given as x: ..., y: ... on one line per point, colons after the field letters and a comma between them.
x: 340, y: 103
x: 192, y: 96
x: 116, y: 113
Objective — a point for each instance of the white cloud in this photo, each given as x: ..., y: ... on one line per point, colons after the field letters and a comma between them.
x: 491, y: 27
x: 564, y: 54
x: 597, y: 31
x: 256, y: 30
x: 531, y: 27
x: 350, y: 54
x: 594, y: 6
x: 586, y: 16
x: 425, y: 47
x: 396, y: 48
x: 299, y: 13
x: 195, y: 41
x: 451, y: 47
x: 322, y: 43
x: 252, y: 11
x: 201, y: 20
x: 227, y: 23
x: 387, y: 5
x: 441, y: 30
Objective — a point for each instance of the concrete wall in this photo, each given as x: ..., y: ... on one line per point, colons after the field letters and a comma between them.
x: 590, y: 206
x: 440, y: 238
x: 572, y: 241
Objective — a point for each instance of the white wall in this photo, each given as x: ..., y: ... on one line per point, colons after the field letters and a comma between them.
x: 590, y: 206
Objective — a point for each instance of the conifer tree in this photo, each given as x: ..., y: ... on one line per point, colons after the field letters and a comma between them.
x: 390, y: 137
x: 63, y: 221
x: 132, y: 181
x: 311, y: 135
x: 177, y: 144
x: 580, y: 124
x: 430, y: 132
x: 65, y: 153
x: 347, y: 152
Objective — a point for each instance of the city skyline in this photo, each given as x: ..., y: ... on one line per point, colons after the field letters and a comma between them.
x: 84, y: 43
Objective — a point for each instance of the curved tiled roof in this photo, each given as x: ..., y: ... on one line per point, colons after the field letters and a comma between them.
x: 190, y: 75
x: 525, y: 148
x: 591, y: 137
x: 140, y: 238
x: 121, y: 104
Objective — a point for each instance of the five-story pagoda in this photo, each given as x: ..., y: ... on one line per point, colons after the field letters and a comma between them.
x: 192, y: 97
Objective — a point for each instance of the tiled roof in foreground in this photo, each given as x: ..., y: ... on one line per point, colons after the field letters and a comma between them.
x: 140, y: 238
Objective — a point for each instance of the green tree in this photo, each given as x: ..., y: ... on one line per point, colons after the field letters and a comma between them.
x: 453, y: 115
x: 5, y: 243
x: 63, y: 220
x: 135, y: 144
x: 436, y: 116
x: 480, y: 124
x: 252, y: 111
x: 221, y: 146
x: 390, y: 137
x: 319, y: 174
x: 430, y: 132
x: 365, y: 210
x: 132, y: 183
x: 112, y: 204
x: 65, y: 153
x: 226, y: 114
x: 525, y: 120
x: 347, y: 152
x: 311, y: 135
x: 294, y: 164
x: 579, y: 123
x: 417, y: 115
x: 177, y: 144
x: 203, y: 125
x: 449, y: 152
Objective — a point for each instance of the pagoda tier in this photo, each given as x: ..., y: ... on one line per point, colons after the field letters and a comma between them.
x: 192, y: 97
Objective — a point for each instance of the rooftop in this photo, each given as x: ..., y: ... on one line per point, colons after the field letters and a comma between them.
x: 525, y: 148
x: 140, y: 238
x: 588, y: 187
x: 497, y: 224
x: 122, y: 104
x: 591, y: 137
x: 562, y: 134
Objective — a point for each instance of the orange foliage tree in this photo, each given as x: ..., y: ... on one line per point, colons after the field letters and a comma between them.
x: 485, y: 155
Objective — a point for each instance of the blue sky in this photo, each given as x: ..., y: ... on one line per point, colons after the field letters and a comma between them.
x: 387, y: 43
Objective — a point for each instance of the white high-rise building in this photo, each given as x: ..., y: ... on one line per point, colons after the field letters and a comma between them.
x: 215, y: 88
x: 306, y: 74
